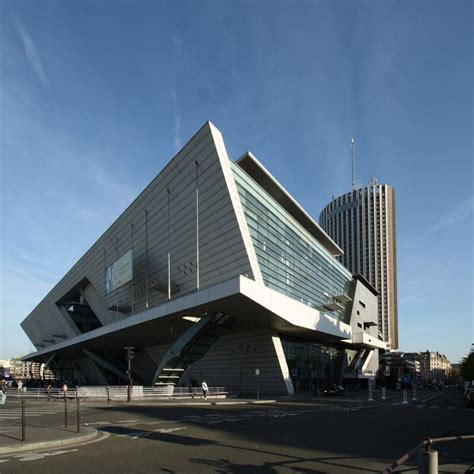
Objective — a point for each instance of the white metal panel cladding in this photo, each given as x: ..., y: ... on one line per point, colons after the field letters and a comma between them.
x: 119, y: 272
x: 223, y: 253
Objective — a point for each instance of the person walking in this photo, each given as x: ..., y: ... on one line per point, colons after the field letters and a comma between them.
x: 3, y: 392
x: 48, y: 391
x: 19, y: 385
x: 205, y: 389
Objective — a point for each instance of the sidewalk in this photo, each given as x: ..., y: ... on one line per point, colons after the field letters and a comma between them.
x: 197, y: 401
x: 40, y: 437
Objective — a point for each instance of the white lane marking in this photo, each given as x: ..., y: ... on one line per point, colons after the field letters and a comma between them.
x: 36, y: 456
x: 129, y: 421
x: 136, y: 434
x: 169, y: 430
x: 98, y: 423
x: 3, y: 460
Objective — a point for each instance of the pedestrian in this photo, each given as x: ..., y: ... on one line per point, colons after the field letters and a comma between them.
x: 19, y: 385
x: 205, y: 389
x: 3, y: 392
x: 48, y: 390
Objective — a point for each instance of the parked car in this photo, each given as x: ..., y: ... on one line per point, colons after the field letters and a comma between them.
x: 467, y: 391
x: 334, y: 390
x: 469, y: 399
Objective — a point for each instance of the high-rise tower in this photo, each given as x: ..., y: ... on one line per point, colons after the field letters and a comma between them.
x: 363, y: 223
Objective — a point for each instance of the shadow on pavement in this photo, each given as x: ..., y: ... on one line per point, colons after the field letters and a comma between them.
x: 156, y: 436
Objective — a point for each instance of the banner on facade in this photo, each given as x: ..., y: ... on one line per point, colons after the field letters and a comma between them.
x: 119, y: 272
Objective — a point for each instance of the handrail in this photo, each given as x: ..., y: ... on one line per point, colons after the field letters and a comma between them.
x: 426, y: 442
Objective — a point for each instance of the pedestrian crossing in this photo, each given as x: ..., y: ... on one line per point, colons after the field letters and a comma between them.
x: 12, y: 414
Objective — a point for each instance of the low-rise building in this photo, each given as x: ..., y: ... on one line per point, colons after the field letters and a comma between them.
x: 434, y: 367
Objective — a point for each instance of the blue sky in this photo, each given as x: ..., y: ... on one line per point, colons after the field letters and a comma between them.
x: 96, y: 97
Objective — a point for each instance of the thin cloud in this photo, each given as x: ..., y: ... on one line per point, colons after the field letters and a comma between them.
x: 30, y: 50
x: 458, y: 214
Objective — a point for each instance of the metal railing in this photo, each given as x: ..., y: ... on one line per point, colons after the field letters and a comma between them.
x: 115, y: 392
x: 22, y: 410
x: 40, y: 393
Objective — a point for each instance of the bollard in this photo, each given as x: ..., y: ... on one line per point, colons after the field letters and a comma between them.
x: 65, y: 410
x: 428, y: 461
x: 384, y: 393
x: 405, y: 397
x: 78, y: 416
x: 23, y: 421
x: 414, y: 399
x: 370, y: 383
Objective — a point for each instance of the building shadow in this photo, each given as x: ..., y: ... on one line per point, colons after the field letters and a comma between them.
x: 156, y: 436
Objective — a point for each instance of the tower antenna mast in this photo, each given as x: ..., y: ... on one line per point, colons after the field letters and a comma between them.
x: 353, y: 164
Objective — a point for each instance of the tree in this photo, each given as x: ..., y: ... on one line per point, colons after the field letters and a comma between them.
x: 467, y: 367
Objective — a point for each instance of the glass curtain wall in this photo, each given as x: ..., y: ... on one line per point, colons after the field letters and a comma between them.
x: 291, y: 260
x: 311, y: 364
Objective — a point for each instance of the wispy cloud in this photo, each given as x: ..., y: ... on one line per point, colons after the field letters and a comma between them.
x: 177, y: 122
x: 458, y: 214
x: 455, y: 216
x: 30, y: 50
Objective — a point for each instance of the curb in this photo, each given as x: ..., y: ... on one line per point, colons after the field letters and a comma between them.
x: 47, y: 444
x: 209, y: 403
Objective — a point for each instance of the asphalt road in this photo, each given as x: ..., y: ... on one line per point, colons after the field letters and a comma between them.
x: 334, y: 435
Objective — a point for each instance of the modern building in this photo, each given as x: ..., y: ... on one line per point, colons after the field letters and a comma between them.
x: 212, y: 272
x: 395, y: 364
x: 363, y: 223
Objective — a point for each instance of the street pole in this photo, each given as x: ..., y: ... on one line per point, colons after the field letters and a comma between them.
x: 65, y: 410
x: 414, y: 390
x: 130, y: 354
x: 78, y: 415
x: 23, y: 421
x: 257, y: 373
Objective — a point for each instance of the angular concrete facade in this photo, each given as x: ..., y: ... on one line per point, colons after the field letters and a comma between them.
x: 230, y: 274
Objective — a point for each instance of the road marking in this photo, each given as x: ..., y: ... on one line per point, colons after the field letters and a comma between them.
x: 169, y: 430
x: 3, y: 460
x: 98, y: 423
x: 37, y: 456
x: 434, y: 407
x: 129, y: 421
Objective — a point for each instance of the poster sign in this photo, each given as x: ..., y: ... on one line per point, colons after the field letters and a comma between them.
x: 119, y: 272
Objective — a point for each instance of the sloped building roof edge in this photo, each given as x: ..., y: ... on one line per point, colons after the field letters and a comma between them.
x: 257, y: 171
